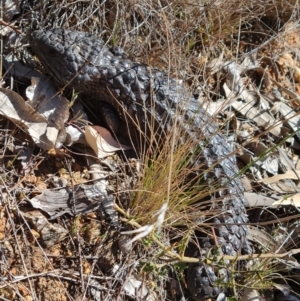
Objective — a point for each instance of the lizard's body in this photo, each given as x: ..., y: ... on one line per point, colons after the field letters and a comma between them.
x: 142, y: 95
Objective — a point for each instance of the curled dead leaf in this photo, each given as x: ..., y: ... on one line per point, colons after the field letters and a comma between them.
x: 102, y: 142
x: 47, y: 102
x: 13, y: 107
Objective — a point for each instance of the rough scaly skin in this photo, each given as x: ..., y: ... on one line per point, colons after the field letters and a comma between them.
x: 140, y: 93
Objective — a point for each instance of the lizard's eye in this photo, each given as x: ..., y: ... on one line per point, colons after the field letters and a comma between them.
x: 51, y: 53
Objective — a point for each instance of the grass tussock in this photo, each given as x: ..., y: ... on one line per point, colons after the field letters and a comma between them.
x: 167, y: 178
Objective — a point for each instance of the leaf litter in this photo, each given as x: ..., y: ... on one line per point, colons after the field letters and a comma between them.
x: 262, y: 95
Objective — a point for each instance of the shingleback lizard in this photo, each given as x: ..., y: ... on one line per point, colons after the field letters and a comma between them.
x: 139, y: 93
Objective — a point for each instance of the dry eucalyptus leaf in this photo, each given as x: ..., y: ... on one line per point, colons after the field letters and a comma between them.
x: 234, y: 70
x: 246, y: 183
x: 74, y: 134
x: 13, y: 107
x: 293, y: 200
x: 55, y: 108
x: 271, y: 165
x: 134, y: 286
x: 284, y: 186
x: 290, y: 93
x: 258, y: 200
x: 102, y: 142
x: 287, y: 162
x: 244, y: 135
x: 273, y: 243
x: 260, y: 116
x: 45, y: 99
x: 96, y: 288
x: 245, y: 104
x: 292, y: 118
x: 81, y: 199
x: 290, y: 174
x: 215, y: 107
x: 297, y: 166
x: 250, y: 294
x: 215, y: 65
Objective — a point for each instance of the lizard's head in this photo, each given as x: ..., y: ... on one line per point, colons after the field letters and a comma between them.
x: 66, y: 55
